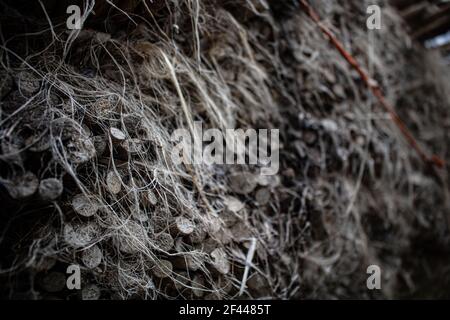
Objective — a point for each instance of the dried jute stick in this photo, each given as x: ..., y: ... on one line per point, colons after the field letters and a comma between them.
x: 248, y: 262
x: 376, y: 91
x: 192, y: 171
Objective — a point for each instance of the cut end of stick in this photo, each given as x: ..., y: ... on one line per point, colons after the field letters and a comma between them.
x: 50, y: 189
x: 183, y: 226
x: 84, y: 206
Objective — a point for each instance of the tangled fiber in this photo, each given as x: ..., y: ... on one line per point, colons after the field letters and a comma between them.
x: 87, y: 179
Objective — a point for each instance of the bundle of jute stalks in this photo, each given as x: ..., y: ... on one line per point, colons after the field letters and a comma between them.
x: 89, y: 181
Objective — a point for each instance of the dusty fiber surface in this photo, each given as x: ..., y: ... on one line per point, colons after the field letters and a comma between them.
x: 87, y: 178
